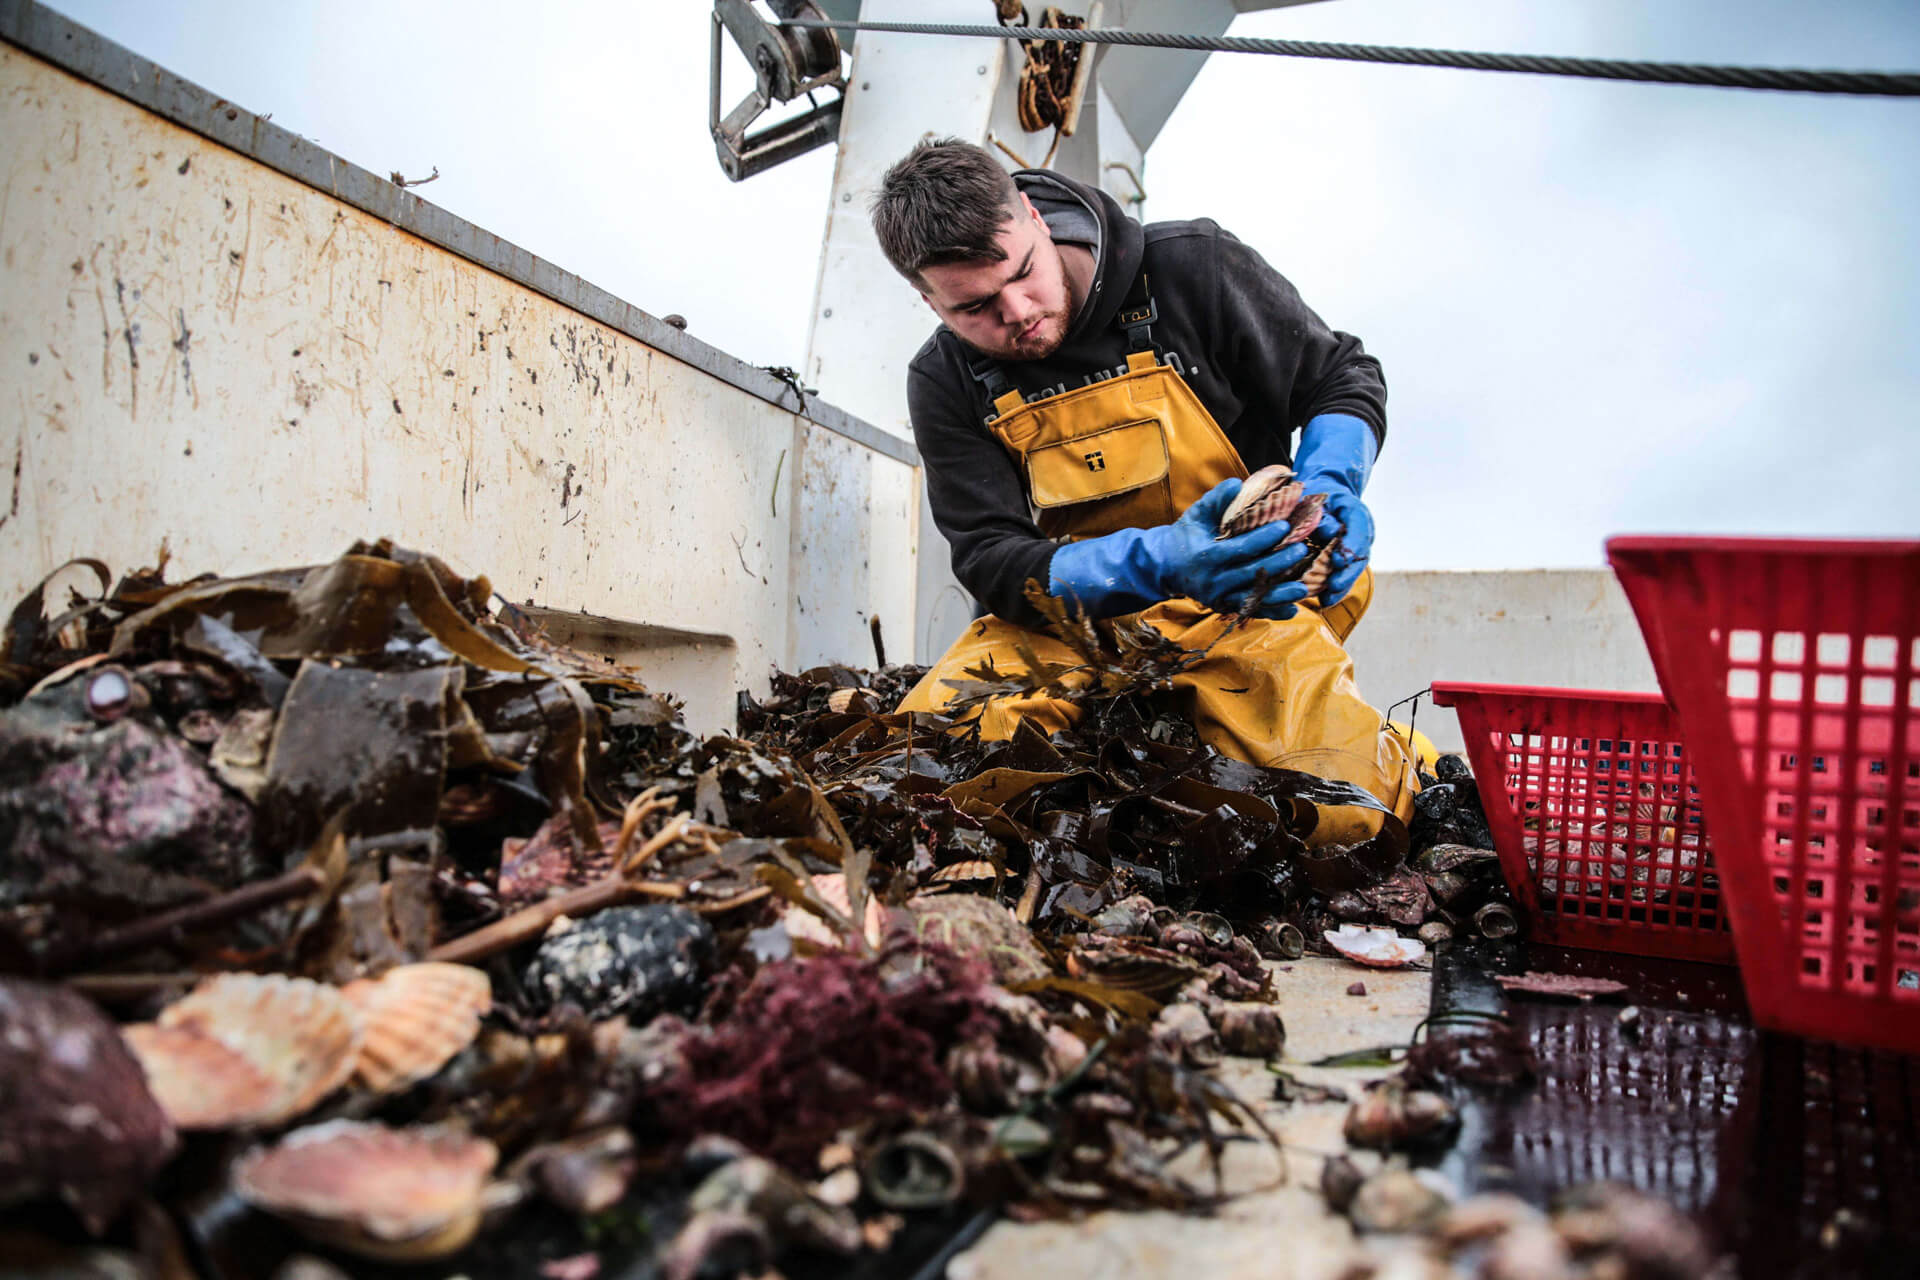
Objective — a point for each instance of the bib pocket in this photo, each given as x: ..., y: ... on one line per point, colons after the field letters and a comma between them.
x: 1099, y: 464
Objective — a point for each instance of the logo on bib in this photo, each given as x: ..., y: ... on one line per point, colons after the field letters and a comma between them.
x: 1096, y: 461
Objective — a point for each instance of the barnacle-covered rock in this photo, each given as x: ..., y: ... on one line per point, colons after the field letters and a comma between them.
x: 981, y: 928
x: 392, y: 1194
x: 76, y: 1117
x: 117, y: 814
x: 301, y: 1037
x: 1249, y: 1029
x: 1399, y: 1200
x: 1390, y: 1115
x: 1182, y: 1028
x: 638, y: 961
x: 416, y: 1017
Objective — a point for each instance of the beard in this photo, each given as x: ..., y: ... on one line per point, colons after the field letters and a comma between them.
x: 1053, y: 332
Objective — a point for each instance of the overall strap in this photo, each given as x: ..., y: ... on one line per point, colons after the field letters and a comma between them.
x: 1136, y: 316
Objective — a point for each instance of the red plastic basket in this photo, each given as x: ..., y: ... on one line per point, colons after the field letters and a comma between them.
x: 1596, y: 818
x: 1795, y: 668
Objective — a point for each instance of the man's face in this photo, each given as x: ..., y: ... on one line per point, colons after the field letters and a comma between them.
x: 1015, y: 309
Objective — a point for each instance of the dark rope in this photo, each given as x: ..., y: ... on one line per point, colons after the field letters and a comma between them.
x: 1784, y: 79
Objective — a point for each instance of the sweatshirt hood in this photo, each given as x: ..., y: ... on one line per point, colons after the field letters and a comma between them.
x: 1117, y: 241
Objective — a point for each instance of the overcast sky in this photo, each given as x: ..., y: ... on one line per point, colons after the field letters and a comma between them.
x: 1601, y: 307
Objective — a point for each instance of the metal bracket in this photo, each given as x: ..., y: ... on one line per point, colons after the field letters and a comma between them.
x: 787, y: 62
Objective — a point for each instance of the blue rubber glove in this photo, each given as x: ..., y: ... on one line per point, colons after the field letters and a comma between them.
x: 1130, y: 569
x: 1335, y: 457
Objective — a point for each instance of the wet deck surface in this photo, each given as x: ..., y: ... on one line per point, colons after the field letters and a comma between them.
x: 1802, y: 1158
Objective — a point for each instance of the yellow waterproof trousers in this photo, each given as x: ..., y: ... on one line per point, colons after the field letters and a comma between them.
x: 1135, y: 451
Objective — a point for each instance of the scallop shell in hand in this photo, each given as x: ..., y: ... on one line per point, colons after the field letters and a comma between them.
x: 1267, y: 495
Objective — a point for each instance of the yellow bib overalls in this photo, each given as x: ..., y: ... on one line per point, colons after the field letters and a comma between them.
x: 1134, y: 451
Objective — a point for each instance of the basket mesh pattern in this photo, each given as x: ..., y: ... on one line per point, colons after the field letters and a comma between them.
x: 1813, y: 717
x: 1597, y: 818
x: 1795, y: 668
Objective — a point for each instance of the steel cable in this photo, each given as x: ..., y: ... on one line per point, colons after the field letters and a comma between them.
x: 1781, y: 79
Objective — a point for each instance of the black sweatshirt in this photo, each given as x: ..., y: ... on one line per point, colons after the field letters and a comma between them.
x: 1259, y: 359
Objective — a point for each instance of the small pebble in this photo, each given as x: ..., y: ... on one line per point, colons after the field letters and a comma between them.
x: 1357, y: 989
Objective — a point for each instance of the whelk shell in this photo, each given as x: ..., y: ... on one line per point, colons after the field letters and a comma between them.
x: 303, y: 1038
x: 392, y: 1194
x: 417, y: 1016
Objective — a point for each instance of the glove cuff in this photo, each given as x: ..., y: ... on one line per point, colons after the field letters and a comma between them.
x: 1336, y: 451
x: 1106, y: 576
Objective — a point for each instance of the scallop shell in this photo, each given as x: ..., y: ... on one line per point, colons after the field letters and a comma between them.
x: 1376, y: 948
x: 1267, y: 495
x: 832, y: 887
x: 302, y: 1037
x: 392, y: 1194
x: 841, y: 700
x: 973, y: 869
x: 417, y: 1017
x: 199, y: 1082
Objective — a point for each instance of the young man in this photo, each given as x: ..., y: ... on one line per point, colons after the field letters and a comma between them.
x: 1089, y: 407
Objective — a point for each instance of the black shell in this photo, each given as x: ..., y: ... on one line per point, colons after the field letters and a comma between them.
x: 639, y: 961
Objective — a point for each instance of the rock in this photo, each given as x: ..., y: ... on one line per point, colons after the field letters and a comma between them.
x: 76, y: 1117
x: 637, y: 961
x: 1397, y: 1200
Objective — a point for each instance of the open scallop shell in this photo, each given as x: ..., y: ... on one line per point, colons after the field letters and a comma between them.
x: 417, y: 1016
x: 301, y: 1037
x: 392, y: 1194
x: 1376, y: 948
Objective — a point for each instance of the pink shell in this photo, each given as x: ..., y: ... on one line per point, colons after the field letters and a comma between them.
x: 1376, y: 948
x: 417, y: 1017
x: 371, y: 1188
x: 802, y: 924
x: 302, y: 1037
x: 1267, y: 495
x: 199, y: 1082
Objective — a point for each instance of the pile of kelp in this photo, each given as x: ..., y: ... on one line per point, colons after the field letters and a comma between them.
x: 349, y: 922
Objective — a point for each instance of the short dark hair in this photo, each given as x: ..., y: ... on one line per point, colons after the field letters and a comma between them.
x: 942, y: 202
